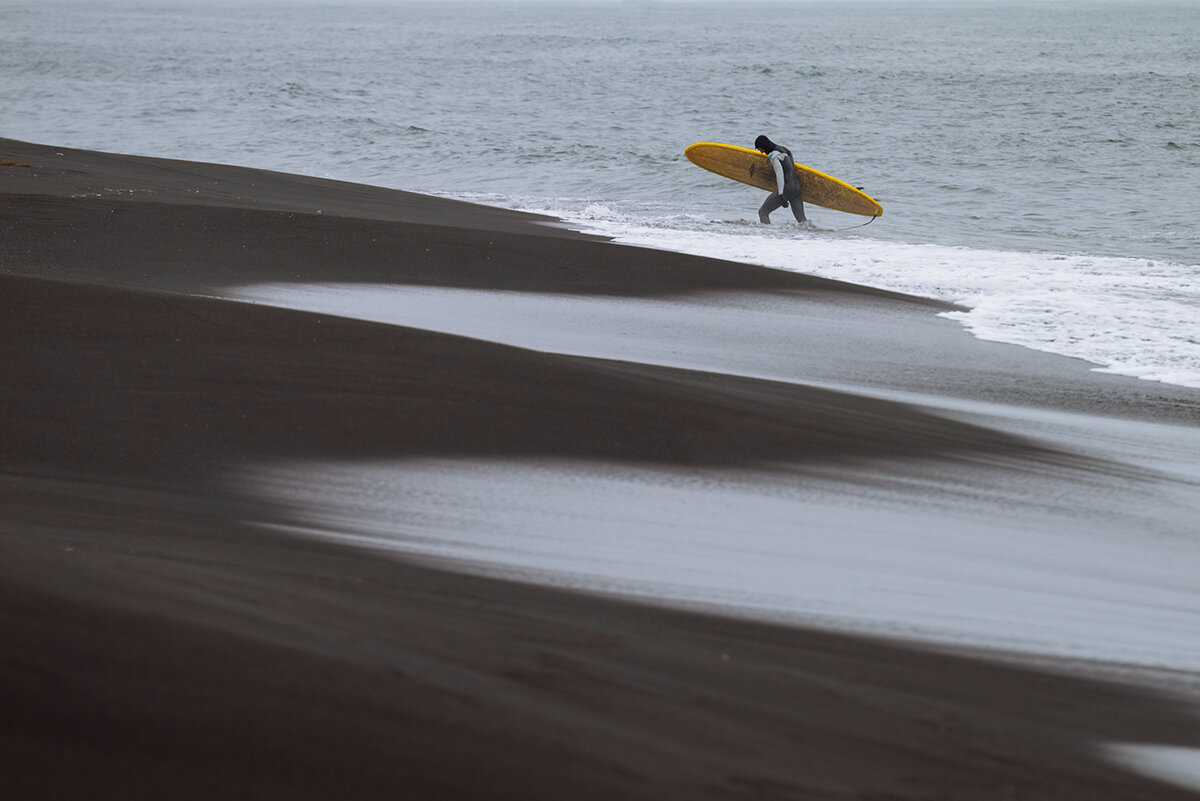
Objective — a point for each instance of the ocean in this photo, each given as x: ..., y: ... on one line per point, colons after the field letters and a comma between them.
x: 1038, y: 162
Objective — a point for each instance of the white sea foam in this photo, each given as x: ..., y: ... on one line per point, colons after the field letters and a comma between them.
x: 1136, y: 317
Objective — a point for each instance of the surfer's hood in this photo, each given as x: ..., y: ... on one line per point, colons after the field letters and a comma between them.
x: 764, y: 144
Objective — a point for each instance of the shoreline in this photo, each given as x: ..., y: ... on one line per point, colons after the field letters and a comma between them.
x: 160, y: 639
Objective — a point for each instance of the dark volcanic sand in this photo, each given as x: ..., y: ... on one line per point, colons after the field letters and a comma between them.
x: 158, y: 645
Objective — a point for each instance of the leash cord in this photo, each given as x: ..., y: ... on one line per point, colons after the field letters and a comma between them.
x: 860, y: 225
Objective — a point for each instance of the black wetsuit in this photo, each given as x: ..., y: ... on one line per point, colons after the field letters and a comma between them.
x: 785, y: 168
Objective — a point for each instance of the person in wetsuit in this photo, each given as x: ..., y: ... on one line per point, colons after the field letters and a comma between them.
x: 788, y: 190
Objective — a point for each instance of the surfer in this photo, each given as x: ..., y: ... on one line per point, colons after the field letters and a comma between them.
x: 788, y: 184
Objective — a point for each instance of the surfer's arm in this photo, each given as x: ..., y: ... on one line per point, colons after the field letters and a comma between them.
x: 777, y: 163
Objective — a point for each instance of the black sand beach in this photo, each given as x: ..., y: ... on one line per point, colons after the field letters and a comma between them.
x: 160, y: 641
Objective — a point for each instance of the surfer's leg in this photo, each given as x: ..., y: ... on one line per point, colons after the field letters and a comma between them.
x: 769, y: 205
x: 797, y: 204
x: 798, y: 210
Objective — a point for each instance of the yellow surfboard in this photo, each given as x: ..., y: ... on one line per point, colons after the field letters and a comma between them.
x: 753, y: 168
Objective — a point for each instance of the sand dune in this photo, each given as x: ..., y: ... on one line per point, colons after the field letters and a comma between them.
x: 164, y: 634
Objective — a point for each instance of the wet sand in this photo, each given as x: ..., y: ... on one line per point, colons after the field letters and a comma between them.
x: 159, y: 638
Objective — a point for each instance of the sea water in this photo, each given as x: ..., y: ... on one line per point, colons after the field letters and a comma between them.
x: 1038, y: 162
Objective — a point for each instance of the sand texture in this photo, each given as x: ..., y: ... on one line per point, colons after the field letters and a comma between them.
x: 163, y: 635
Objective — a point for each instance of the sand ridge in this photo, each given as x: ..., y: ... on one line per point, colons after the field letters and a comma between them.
x: 159, y: 640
